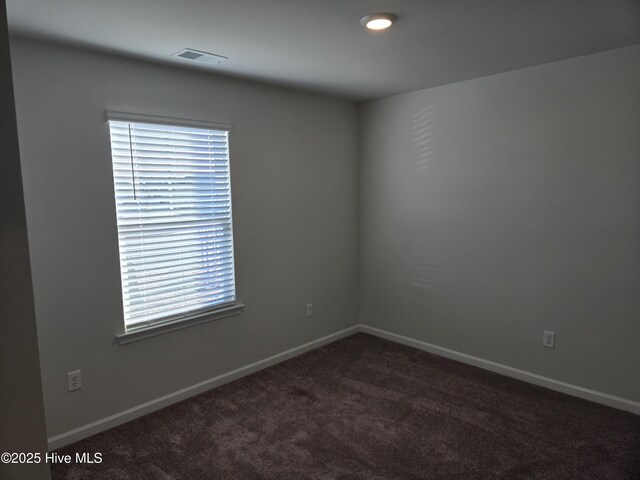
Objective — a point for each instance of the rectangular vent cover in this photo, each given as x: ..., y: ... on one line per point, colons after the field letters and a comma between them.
x: 190, y: 55
x: 200, y: 56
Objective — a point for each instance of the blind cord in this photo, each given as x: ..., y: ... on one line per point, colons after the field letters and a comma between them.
x: 133, y: 173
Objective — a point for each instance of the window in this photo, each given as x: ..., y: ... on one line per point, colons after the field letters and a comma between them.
x: 173, y: 204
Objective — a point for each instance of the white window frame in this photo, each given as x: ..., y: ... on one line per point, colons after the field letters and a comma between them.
x: 160, y: 326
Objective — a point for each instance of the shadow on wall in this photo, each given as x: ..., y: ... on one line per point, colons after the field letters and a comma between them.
x: 425, y: 236
x: 422, y: 133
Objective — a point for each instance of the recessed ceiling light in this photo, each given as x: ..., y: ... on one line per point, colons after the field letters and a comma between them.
x: 379, y: 21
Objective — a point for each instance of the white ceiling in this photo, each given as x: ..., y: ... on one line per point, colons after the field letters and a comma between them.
x: 321, y: 46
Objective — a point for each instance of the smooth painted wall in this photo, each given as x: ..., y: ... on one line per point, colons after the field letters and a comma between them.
x: 22, y: 420
x: 294, y: 209
x: 496, y: 208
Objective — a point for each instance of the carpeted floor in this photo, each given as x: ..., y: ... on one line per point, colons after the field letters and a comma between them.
x: 366, y: 408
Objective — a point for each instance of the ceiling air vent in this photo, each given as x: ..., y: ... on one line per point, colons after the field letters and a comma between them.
x: 200, y: 56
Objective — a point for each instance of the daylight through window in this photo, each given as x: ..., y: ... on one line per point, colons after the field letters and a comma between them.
x: 173, y: 205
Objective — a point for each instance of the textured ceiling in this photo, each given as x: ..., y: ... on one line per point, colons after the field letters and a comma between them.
x: 321, y: 46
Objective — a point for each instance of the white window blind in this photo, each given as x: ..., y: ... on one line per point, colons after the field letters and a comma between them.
x: 173, y: 205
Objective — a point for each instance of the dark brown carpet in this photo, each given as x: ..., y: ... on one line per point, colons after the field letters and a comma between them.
x: 366, y: 408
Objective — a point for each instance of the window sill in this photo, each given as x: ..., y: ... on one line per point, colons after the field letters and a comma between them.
x: 166, y: 327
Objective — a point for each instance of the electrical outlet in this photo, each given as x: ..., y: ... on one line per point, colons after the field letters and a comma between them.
x: 74, y: 380
x: 309, y: 309
x: 548, y: 339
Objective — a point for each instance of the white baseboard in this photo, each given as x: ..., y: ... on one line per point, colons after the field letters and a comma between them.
x: 119, y: 418
x: 563, y: 387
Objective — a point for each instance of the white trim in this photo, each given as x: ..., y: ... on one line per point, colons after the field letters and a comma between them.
x: 162, y: 120
x: 66, y: 438
x: 160, y: 328
x: 557, y: 385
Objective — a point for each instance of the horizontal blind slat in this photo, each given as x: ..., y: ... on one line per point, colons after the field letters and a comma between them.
x: 158, y: 271
x: 160, y: 237
x: 168, y: 277
x: 194, y: 299
x: 185, y: 293
x: 175, y: 312
x: 201, y: 254
x: 135, y: 245
x: 173, y: 226
x: 188, y: 259
x: 151, y: 128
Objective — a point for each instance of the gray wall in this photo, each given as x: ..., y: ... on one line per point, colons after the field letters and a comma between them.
x: 495, y: 208
x: 294, y: 199
x: 22, y: 422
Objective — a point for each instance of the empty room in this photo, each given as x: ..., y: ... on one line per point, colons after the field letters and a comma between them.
x: 363, y: 239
